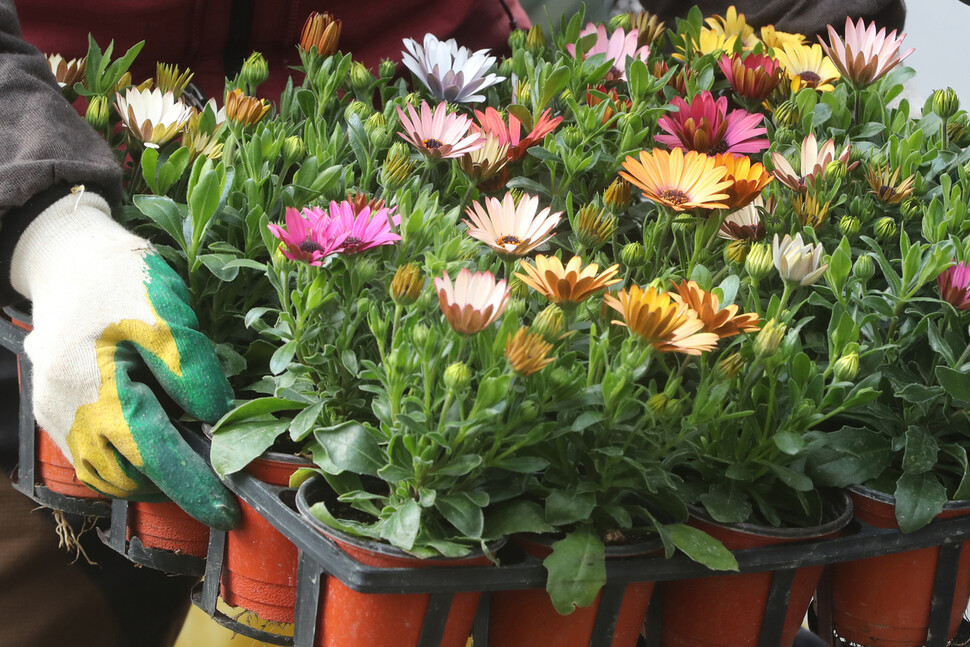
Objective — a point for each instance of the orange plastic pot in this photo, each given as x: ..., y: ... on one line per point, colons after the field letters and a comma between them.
x: 165, y: 526
x: 54, y: 472
x: 347, y: 617
x: 885, y: 601
x: 728, y: 610
x: 527, y: 617
x: 261, y: 563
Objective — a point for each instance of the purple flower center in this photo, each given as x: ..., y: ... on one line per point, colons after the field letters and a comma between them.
x: 432, y: 143
x: 810, y: 79
x: 508, y: 239
x: 720, y: 146
x: 352, y: 245
x: 674, y: 197
x: 309, y: 246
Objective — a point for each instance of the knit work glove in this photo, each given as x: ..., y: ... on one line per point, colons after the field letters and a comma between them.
x: 104, y: 304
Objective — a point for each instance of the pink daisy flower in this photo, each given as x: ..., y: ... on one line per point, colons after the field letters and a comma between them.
x: 474, y: 300
x: 438, y: 134
x: 704, y: 125
x: 299, y: 236
x: 865, y: 56
x: 617, y: 47
x: 954, y: 285
x: 347, y: 231
x: 491, y: 123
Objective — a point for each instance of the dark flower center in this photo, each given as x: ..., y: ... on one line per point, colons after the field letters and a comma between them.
x: 432, y: 143
x: 310, y: 246
x: 674, y: 197
x: 719, y: 146
x: 886, y: 192
x: 508, y: 239
x: 811, y: 79
x: 352, y: 244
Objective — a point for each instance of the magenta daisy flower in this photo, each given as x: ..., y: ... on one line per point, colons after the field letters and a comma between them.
x: 616, y: 47
x: 704, y: 125
x: 439, y: 134
x: 298, y: 237
x: 347, y: 231
x: 954, y: 285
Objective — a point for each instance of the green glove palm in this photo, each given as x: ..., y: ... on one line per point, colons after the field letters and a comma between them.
x: 105, y: 305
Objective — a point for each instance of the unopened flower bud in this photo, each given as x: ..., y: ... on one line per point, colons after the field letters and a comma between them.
x: 846, y: 367
x: 255, y: 70
x: 397, y: 168
x: 419, y: 334
x: 729, y: 367
x: 293, y: 150
x: 957, y: 130
x: 911, y: 207
x: 517, y: 288
x: 594, y: 226
x: 769, y: 338
x: 535, y: 40
x: 759, y: 262
x: 786, y: 114
x: 736, y: 251
x: 376, y: 128
x: 674, y: 407
x: 617, y: 195
x: 407, y: 284
x: 657, y: 403
x: 457, y: 377
x: 505, y: 67
x: 835, y: 171
x: 920, y: 185
x: 515, y: 308
x: 849, y: 226
x: 864, y: 268
x: 360, y: 77
x: 884, y: 228
x: 860, y: 208
x: 572, y: 137
x: 365, y: 268
x: 387, y: 68
x: 358, y: 108
x: 523, y: 92
x: 550, y: 323
x: 633, y: 254
x: 785, y: 135
x: 98, y: 113
x: 945, y: 103
x: 517, y: 39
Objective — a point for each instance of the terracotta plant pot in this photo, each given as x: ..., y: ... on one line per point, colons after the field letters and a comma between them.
x: 54, y: 472
x: 728, y: 610
x: 259, y: 574
x: 885, y: 601
x: 347, y: 617
x: 165, y: 526
x: 527, y: 617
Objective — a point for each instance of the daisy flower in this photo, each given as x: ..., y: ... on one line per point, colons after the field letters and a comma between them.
x: 438, y: 134
x: 450, y: 72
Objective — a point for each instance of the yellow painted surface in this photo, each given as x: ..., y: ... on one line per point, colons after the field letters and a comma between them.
x: 200, y: 630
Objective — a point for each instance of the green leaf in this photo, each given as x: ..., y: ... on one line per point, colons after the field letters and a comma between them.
x: 522, y: 464
x: 236, y: 445
x: 564, y: 507
x: 848, y: 456
x: 252, y: 409
x: 702, y: 548
x: 576, y: 570
x: 350, y: 446
x: 304, y: 421
x: 516, y: 516
x: 921, y: 450
x: 219, y: 265
x: 282, y: 357
x: 460, y: 465
x: 726, y: 506
x: 919, y: 498
x: 462, y: 513
x: 401, y: 528
x: 956, y: 383
x: 165, y: 213
x: 788, y: 441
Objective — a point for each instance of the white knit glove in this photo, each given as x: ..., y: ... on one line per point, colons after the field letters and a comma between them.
x: 104, y: 302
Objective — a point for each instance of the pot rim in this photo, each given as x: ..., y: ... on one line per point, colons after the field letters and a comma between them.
x: 889, y: 499
x: 312, y: 485
x: 806, y: 532
x: 634, y: 549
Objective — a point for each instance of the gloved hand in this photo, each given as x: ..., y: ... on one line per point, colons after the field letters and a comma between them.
x: 105, y: 303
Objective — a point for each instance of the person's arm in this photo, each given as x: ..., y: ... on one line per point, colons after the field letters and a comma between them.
x: 106, y: 308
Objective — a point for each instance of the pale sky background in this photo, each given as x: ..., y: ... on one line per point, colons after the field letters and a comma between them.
x: 940, y: 32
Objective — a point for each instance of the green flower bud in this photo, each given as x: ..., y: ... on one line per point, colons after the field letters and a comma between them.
x: 759, y: 262
x: 98, y: 113
x: 560, y: 377
x: 736, y: 251
x: 407, y: 284
x: 855, y: 155
x: 365, y: 268
x: 945, y: 103
x: 360, y: 77
x: 358, y: 108
x: 293, y: 150
x: 594, y: 226
x: 920, y: 185
x: 457, y: 377
x: 912, y: 207
x: 535, y: 40
x: 505, y: 67
x: 879, y: 159
x: 846, y: 367
x: 572, y: 137
x: 517, y: 288
x: 387, y: 68
x: 884, y: 228
x: 419, y: 334
x: 786, y: 114
x: 657, y: 404
x: 550, y: 323
x: 255, y: 70
x: 515, y: 308
x: 835, y: 171
x: 397, y: 168
x: 617, y: 196
x: 674, y: 407
x: 864, y: 268
x: 729, y: 367
x: 633, y: 254
x: 376, y: 128
x: 849, y: 226
x: 860, y: 208
x: 620, y: 21
x: 957, y: 130
x: 785, y: 135
x: 517, y: 39
x: 528, y: 410
x: 769, y: 338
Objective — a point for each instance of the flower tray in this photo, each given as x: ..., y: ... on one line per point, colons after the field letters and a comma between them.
x: 319, y: 556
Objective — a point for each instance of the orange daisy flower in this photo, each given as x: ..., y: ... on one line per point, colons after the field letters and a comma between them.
x: 677, y: 179
x: 723, y: 322
x: 658, y: 320
x: 526, y: 352
x: 571, y: 284
x: 747, y: 179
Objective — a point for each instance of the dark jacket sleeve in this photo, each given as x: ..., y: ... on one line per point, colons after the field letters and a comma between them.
x: 45, y: 146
